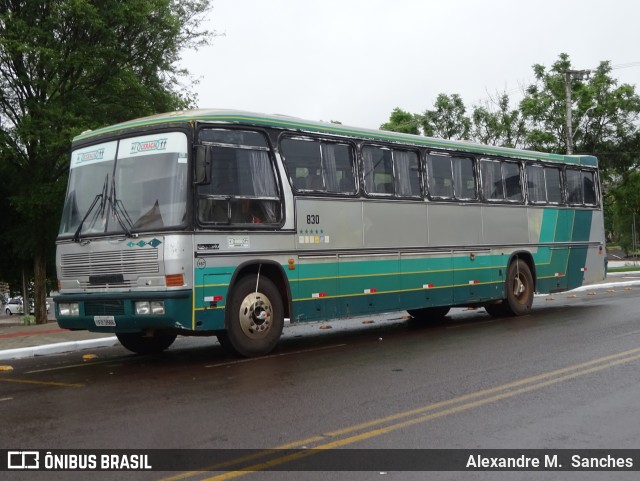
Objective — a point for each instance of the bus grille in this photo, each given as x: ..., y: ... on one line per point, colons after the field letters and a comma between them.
x: 104, y: 308
x: 130, y: 262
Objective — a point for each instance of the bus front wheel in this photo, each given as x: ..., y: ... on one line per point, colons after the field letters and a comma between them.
x: 256, y: 317
x: 142, y: 343
x: 519, y: 289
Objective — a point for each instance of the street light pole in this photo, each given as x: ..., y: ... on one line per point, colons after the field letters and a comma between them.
x: 569, y: 75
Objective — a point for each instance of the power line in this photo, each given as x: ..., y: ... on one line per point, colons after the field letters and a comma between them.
x: 625, y: 65
x: 532, y: 79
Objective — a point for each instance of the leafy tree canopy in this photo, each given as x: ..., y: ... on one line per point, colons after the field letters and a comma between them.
x: 626, y: 210
x: 401, y: 121
x: 496, y: 123
x: 71, y: 65
x: 604, y: 114
x: 448, y: 119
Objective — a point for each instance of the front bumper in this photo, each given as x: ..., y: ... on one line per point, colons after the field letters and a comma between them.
x: 116, y: 312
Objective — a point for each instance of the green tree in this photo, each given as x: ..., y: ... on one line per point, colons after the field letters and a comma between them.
x: 448, y: 119
x: 609, y: 124
x: 71, y: 65
x: 604, y: 114
x: 543, y: 108
x: 403, y: 122
x: 626, y: 210
x: 496, y: 123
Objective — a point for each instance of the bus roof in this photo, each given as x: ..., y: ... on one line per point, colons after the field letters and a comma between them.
x: 297, y: 124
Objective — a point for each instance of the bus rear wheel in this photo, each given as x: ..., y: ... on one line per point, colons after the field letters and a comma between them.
x: 141, y: 343
x: 256, y: 317
x: 519, y: 289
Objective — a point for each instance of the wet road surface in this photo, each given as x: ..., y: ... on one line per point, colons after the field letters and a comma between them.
x: 565, y: 376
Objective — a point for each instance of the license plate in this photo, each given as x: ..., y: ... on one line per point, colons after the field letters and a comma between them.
x: 104, y: 321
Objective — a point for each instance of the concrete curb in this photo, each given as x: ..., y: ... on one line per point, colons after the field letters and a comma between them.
x: 57, y: 348
x: 595, y: 287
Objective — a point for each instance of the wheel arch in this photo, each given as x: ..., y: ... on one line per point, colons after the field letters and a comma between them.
x: 270, y: 269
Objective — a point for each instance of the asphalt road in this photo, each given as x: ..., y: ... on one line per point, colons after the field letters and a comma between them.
x: 565, y: 376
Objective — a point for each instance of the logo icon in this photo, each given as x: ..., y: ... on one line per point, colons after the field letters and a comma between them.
x: 23, y: 460
x: 148, y: 146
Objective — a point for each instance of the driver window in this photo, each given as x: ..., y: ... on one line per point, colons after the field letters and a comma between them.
x: 242, y: 187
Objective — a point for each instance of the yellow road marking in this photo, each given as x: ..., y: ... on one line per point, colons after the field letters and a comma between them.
x: 44, y: 383
x: 70, y: 366
x: 418, y: 415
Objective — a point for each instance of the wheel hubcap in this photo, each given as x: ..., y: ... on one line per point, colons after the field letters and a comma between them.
x: 256, y: 315
x: 519, y: 288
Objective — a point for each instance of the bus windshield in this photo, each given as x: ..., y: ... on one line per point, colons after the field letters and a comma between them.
x: 126, y: 186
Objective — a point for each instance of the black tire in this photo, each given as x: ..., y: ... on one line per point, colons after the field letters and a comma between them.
x: 9, y: 313
x: 255, y: 317
x: 138, y: 343
x: 223, y: 339
x: 430, y: 314
x: 519, y: 288
x: 500, y: 309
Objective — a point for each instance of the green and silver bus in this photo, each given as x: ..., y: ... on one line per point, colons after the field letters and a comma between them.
x: 233, y: 224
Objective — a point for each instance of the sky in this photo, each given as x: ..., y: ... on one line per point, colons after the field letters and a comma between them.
x: 354, y: 61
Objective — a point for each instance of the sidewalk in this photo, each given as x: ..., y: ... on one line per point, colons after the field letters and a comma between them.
x: 19, y: 342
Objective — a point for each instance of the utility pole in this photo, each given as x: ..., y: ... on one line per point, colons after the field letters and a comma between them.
x: 569, y: 76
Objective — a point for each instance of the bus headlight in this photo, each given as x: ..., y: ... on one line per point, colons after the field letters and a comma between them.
x: 69, y: 309
x: 149, y: 307
x: 157, y: 307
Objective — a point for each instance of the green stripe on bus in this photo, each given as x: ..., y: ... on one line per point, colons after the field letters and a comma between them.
x: 299, y: 124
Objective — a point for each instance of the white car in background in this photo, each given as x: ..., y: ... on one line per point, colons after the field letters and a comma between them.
x: 14, y: 306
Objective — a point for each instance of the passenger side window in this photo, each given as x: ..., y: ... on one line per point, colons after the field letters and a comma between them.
x: 589, y: 188
x: 319, y: 166
x: 581, y: 187
x: 464, y: 180
x: 553, y: 181
x: 378, y: 171
x: 512, y: 181
x: 536, y: 188
x: 440, y: 176
x: 451, y: 177
x: 407, y: 173
x: 544, y: 184
x: 574, y: 186
x: 501, y: 180
x: 491, y: 175
x: 242, y: 188
x: 391, y: 172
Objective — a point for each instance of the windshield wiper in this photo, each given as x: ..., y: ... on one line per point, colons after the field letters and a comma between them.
x: 101, y: 196
x: 120, y: 212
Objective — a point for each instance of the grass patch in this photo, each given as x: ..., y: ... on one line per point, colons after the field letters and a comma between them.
x: 624, y: 269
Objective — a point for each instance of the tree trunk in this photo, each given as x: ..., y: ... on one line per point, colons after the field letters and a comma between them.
x: 40, y: 288
x: 25, y: 292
